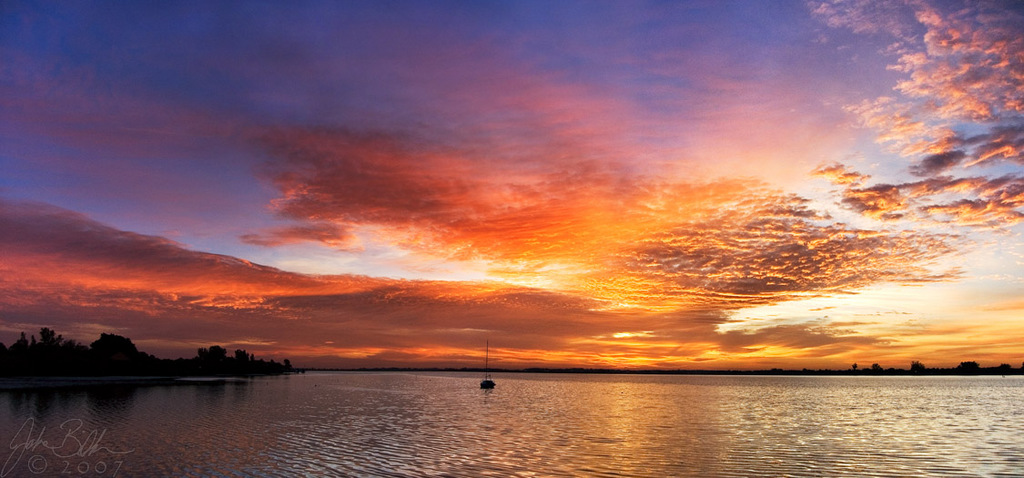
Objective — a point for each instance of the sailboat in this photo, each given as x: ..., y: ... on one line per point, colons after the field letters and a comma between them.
x: 487, y: 383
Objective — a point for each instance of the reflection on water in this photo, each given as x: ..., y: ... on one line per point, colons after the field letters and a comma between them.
x: 435, y: 424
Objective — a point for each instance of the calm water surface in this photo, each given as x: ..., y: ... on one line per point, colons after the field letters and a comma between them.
x: 436, y: 424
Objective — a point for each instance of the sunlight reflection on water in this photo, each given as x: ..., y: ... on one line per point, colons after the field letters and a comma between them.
x: 442, y: 424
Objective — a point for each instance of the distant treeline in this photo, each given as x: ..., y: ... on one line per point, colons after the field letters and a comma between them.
x: 916, y: 368
x: 52, y: 355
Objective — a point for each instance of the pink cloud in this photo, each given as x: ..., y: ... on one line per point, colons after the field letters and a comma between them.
x: 968, y: 67
x: 867, y: 16
x: 333, y: 235
x: 974, y: 68
x: 965, y: 74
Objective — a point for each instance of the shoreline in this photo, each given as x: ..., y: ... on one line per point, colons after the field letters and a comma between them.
x: 936, y: 372
x: 10, y: 384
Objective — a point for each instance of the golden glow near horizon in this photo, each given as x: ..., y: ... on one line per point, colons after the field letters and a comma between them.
x: 681, y: 201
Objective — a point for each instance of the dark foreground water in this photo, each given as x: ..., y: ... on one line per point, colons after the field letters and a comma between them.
x: 432, y: 424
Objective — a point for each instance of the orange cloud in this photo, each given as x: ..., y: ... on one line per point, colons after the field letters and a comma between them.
x: 731, y: 245
x: 840, y: 174
x: 762, y: 252
x: 881, y: 201
x: 811, y: 337
x: 446, y: 201
x: 971, y: 201
x: 985, y: 213
x: 1004, y: 142
x: 623, y: 239
x: 333, y: 235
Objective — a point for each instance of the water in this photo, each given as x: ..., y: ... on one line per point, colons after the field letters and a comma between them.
x: 437, y: 424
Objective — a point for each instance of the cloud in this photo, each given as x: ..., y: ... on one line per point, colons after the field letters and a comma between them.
x: 899, y: 124
x: 368, y: 177
x: 656, y: 244
x: 974, y: 201
x: 980, y: 212
x: 966, y: 66
x: 822, y: 340
x: 965, y: 75
x: 442, y: 200
x: 759, y: 253
x: 866, y: 16
x: 938, y: 163
x: 1004, y: 142
x: 840, y: 174
x: 333, y: 235
x: 49, y: 243
x: 577, y: 171
x: 881, y: 201
x: 66, y: 271
x: 973, y: 67
x: 1010, y: 305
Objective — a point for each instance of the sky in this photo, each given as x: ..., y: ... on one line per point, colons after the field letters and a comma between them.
x: 649, y: 185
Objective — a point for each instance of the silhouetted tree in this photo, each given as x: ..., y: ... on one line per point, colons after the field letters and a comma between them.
x: 49, y: 338
x: 218, y: 353
x: 917, y: 367
x: 116, y: 355
x: 110, y: 345
x: 214, y: 354
x: 20, y: 345
x: 876, y: 368
x: 51, y: 355
x: 969, y: 367
x: 854, y: 367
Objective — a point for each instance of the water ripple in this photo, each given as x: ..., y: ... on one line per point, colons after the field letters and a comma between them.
x: 442, y: 425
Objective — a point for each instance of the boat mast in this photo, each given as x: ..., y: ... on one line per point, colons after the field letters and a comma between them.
x: 487, y: 383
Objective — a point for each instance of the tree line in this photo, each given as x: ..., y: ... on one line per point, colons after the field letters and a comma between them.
x: 111, y: 354
x: 965, y: 368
